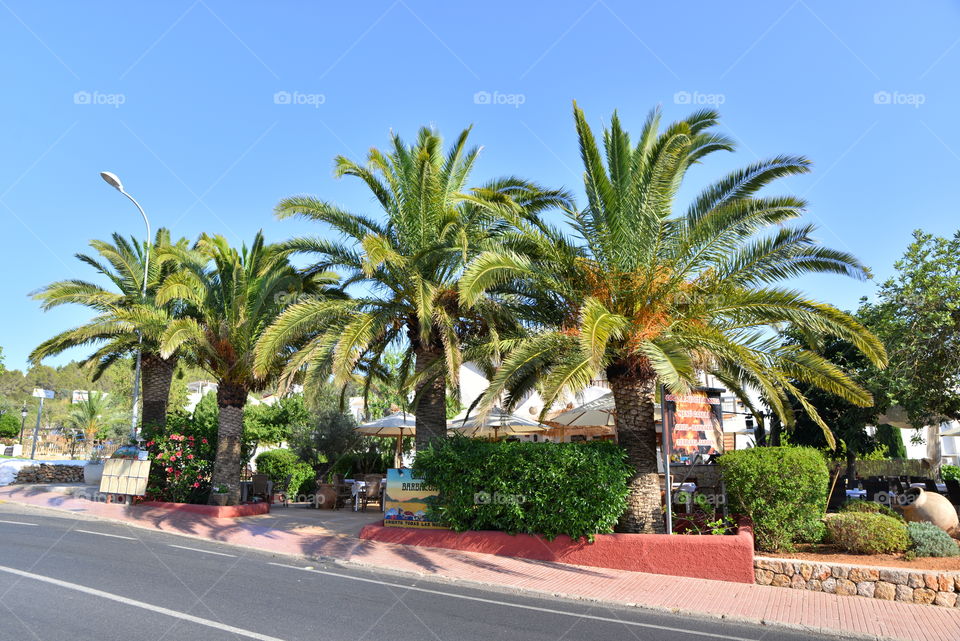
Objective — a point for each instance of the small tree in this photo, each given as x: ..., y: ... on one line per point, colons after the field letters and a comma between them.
x: 325, y: 443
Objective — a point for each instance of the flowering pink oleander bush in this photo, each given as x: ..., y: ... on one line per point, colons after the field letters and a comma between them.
x: 180, y: 469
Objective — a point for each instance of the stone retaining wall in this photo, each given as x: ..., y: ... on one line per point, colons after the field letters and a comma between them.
x: 45, y: 473
x: 892, y: 584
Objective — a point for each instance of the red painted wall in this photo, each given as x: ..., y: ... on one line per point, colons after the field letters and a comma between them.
x: 722, y: 558
x: 215, y: 511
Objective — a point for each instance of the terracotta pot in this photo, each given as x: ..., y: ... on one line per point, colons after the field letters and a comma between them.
x: 917, y: 504
x: 326, y: 496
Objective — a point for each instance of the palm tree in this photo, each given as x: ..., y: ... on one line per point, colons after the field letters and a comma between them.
x: 95, y: 416
x: 652, y: 295
x: 121, y: 315
x: 230, y: 297
x: 408, y: 267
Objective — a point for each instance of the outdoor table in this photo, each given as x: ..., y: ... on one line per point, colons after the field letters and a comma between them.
x: 245, y: 487
x: 940, y: 486
x: 856, y: 494
x: 358, y: 489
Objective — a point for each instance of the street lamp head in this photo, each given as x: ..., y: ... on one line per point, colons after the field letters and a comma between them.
x: 111, y: 179
x: 23, y: 411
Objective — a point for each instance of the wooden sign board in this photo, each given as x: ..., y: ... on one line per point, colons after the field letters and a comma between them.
x: 125, y: 476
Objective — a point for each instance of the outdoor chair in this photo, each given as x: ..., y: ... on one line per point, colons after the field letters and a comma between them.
x: 374, y: 489
x: 260, y: 486
x: 281, y: 488
x: 931, y: 486
x: 953, y: 491
x: 344, y: 492
x: 878, y: 491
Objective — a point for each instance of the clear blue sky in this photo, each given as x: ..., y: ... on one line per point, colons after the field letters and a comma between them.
x: 202, y: 142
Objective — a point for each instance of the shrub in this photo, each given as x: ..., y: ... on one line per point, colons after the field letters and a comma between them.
x: 9, y: 425
x: 865, y: 533
x: 277, y: 464
x: 181, y: 469
x: 870, y: 507
x: 926, y: 539
x: 578, y: 489
x: 783, y: 490
x: 950, y: 472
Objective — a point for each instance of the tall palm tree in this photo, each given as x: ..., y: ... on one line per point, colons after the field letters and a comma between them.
x: 230, y: 297
x: 407, y: 266
x: 655, y: 295
x: 121, y: 315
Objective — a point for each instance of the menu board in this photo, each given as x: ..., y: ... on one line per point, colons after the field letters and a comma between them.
x: 405, y: 501
x: 693, y: 424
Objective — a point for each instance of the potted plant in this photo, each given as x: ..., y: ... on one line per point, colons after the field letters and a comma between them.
x: 219, y: 494
x: 93, y: 470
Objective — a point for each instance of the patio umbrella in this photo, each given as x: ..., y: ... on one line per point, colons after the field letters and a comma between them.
x: 497, y: 423
x: 396, y: 425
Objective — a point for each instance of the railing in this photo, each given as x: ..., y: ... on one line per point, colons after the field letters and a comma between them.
x: 61, y: 450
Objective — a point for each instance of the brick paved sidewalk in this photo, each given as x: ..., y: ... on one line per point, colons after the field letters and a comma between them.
x: 851, y: 617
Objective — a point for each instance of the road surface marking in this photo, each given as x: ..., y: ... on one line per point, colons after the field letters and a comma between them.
x: 184, y: 547
x: 16, y: 522
x: 522, y: 606
x: 140, y: 604
x: 115, y: 536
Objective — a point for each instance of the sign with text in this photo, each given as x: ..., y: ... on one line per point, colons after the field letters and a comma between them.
x: 404, y: 502
x: 125, y: 476
x: 39, y: 392
x: 694, y: 425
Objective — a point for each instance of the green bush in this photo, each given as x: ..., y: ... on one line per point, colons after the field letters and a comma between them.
x: 782, y: 490
x: 578, y: 489
x: 950, y: 472
x: 277, y: 464
x: 870, y: 507
x: 9, y: 425
x: 926, y: 539
x: 865, y: 533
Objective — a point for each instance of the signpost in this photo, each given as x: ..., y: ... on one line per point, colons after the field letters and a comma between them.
x: 42, y: 394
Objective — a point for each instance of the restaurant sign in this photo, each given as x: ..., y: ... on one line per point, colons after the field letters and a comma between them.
x: 405, y: 501
x: 693, y: 425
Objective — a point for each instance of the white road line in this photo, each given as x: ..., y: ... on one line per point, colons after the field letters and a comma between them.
x: 184, y: 547
x: 17, y: 522
x: 140, y: 604
x: 115, y: 536
x: 521, y: 606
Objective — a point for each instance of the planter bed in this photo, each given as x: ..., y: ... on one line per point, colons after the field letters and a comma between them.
x: 214, y: 511
x: 722, y: 558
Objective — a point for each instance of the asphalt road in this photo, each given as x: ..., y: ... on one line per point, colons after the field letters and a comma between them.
x: 65, y: 578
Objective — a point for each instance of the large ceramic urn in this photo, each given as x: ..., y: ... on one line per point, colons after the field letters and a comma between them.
x: 917, y: 504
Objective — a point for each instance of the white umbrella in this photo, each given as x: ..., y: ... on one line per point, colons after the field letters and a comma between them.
x: 497, y: 423
x: 396, y: 425
x: 597, y: 413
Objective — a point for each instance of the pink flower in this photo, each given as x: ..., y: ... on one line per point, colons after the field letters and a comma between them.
x: 204, y: 441
x: 173, y: 458
x: 190, y: 456
x: 196, y: 485
x: 169, y: 469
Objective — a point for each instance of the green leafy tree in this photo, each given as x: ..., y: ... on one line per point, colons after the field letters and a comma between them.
x: 273, y: 424
x: 653, y: 295
x: 96, y: 417
x: 123, y: 316
x: 410, y: 263
x: 9, y: 424
x: 230, y: 296
x: 917, y: 315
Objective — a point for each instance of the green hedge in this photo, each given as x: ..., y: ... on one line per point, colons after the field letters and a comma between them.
x: 277, y: 464
x: 866, y: 533
x: 783, y: 490
x: 872, y: 507
x: 578, y: 489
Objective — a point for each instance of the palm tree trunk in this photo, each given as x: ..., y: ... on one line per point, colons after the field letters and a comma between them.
x: 226, y: 467
x: 156, y: 375
x: 431, y: 409
x: 633, y: 398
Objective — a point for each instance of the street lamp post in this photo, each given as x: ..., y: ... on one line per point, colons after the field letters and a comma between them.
x: 23, y: 420
x: 112, y: 180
